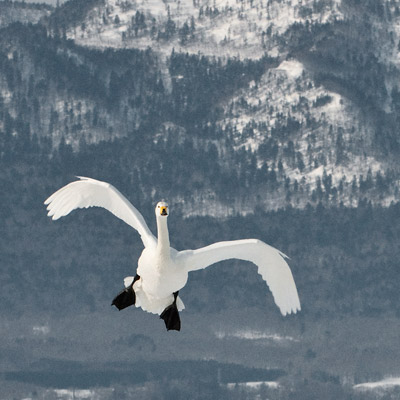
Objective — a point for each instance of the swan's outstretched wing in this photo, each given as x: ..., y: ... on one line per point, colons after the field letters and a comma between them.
x: 270, y: 262
x: 89, y: 192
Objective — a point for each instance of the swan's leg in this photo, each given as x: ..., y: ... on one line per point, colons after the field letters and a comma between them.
x: 171, y: 316
x: 126, y: 297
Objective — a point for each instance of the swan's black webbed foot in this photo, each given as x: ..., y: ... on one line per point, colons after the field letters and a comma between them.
x: 126, y: 297
x: 171, y: 316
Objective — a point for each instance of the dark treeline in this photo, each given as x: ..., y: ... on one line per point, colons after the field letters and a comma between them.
x: 7, y: 4
x: 200, y: 83
x: 70, y: 13
x: 56, y: 373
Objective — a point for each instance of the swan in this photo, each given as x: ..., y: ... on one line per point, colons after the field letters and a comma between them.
x: 162, y: 271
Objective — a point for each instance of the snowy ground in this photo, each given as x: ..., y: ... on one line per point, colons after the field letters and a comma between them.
x: 255, y: 335
x: 384, y: 384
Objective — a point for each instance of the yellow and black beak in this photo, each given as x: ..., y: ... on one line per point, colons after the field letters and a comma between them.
x: 164, y: 210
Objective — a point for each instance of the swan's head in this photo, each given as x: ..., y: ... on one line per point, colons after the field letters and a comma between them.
x: 162, y: 209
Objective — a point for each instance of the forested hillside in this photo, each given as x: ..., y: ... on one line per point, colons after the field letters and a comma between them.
x: 13, y: 11
x: 59, y: 98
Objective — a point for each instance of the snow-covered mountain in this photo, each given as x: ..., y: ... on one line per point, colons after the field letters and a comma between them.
x: 229, y: 28
x: 315, y: 110
x: 321, y: 117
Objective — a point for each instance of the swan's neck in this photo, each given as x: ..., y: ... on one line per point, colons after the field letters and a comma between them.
x: 163, y: 236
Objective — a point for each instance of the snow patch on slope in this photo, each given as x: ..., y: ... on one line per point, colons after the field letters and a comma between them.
x: 246, y: 29
x: 287, y: 93
x: 255, y: 335
x: 387, y: 383
x: 293, y: 68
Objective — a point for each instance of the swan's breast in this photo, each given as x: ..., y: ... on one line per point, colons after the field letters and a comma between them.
x: 161, y: 276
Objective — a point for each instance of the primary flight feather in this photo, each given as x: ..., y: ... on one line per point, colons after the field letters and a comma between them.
x: 162, y: 271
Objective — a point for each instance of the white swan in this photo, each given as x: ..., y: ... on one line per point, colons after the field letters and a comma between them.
x: 162, y: 271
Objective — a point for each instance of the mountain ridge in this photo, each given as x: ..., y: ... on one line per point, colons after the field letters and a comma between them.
x: 312, y: 115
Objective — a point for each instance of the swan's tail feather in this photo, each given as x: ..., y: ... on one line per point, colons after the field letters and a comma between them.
x: 179, y: 304
x: 128, y: 281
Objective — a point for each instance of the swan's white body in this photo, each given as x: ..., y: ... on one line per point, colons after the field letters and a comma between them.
x: 164, y: 270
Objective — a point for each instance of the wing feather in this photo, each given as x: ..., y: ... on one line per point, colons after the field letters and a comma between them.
x: 89, y: 192
x: 270, y: 262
